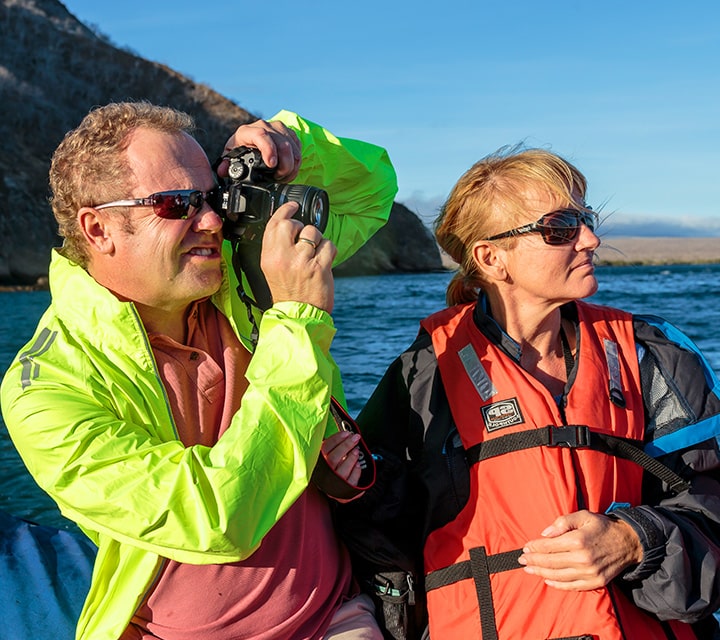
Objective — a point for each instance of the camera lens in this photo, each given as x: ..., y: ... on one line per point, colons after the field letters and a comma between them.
x: 317, y: 212
x: 314, y: 203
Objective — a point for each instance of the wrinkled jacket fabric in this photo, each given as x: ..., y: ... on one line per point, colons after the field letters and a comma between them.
x: 424, y: 479
x: 88, y: 413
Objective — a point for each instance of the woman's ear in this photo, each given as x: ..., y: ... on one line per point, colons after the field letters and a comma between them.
x: 490, y: 260
x: 93, y: 226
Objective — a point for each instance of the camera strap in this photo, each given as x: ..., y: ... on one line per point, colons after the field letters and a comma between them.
x: 246, y: 262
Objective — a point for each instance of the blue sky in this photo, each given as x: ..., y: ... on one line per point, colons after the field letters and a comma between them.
x: 628, y: 91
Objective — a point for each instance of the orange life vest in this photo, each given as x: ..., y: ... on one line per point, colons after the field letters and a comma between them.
x: 521, y: 481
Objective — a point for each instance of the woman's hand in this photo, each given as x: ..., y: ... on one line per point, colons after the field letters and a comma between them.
x: 582, y: 551
x: 342, y: 455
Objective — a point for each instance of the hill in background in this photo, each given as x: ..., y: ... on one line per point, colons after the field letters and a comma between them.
x: 53, y: 70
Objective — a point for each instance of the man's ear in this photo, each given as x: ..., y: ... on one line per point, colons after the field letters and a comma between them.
x: 93, y: 226
x: 490, y: 260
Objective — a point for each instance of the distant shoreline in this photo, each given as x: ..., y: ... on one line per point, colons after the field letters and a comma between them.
x: 629, y: 250
x: 632, y: 250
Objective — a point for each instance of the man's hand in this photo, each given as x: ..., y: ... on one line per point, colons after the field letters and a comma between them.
x: 582, y: 551
x: 278, y: 145
x: 297, y: 260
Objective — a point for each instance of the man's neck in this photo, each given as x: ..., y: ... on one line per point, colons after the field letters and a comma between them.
x: 172, y: 324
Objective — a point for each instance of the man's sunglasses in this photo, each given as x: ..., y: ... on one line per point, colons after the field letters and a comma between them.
x: 557, y: 227
x: 173, y: 205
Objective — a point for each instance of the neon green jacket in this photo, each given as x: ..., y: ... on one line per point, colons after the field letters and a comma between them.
x: 86, y: 409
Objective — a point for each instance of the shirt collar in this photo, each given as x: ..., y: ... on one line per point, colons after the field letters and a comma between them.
x: 487, y: 324
x: 494, y: 332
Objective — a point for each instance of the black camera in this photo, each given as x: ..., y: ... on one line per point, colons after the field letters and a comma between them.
x: 250, y: 197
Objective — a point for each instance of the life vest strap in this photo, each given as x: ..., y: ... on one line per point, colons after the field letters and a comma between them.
x: 496, y: 563
x: 549, y: 436
x: 479, y: 568
x: 576, y: 436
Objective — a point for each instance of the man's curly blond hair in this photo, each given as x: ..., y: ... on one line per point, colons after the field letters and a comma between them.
x: 90, y: 167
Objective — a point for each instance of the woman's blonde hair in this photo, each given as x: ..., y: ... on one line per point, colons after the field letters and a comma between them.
x: 89, y: 166
x: 491, y: 198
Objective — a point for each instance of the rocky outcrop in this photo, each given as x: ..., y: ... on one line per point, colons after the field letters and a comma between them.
x: 53, y: 69
x: 404, y: 244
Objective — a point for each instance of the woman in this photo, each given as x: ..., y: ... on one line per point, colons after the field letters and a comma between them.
x: 513, y: 437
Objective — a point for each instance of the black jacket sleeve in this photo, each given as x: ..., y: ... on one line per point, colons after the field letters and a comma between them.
x: 679, y: 577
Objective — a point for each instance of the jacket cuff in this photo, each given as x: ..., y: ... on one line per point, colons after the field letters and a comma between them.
x: 651, y: 539
x: 302, y: 319
x: 292, y: 309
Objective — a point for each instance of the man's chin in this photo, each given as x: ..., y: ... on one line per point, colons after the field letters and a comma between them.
x: 208, y: 285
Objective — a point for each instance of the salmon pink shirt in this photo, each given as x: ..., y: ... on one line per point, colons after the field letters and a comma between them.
x: 292, y: 585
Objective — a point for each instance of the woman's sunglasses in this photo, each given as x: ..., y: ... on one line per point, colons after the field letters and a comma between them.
x: 173, y: 205
x: 557, y: 227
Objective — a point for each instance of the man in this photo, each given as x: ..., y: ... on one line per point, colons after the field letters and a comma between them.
x: 144, y: 408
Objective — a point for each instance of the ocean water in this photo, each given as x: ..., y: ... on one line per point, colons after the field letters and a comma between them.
x: 377, y: 317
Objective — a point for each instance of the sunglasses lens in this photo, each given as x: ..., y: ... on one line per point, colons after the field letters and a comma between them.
x: 559, y: 227
x: 173, y: 205
x: 589, y: 219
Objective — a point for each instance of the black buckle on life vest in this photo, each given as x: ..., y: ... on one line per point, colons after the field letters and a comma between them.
x: 571, y: 435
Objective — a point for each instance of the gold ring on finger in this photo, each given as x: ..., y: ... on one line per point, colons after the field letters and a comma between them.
x: 308, y: 241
